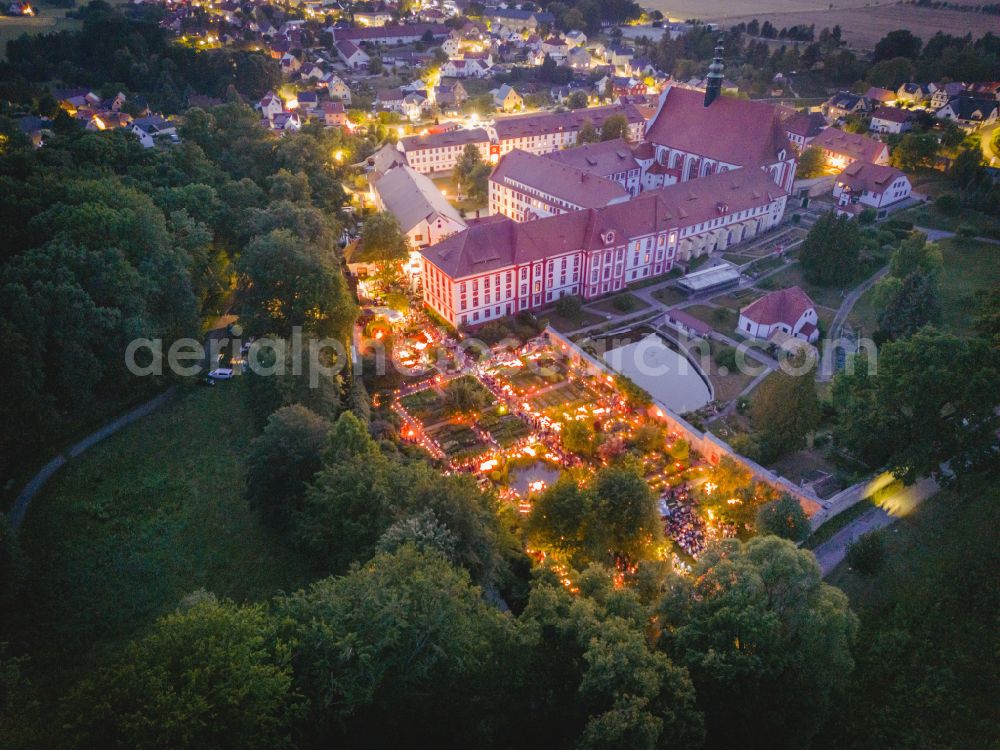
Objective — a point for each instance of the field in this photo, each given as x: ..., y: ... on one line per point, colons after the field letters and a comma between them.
x: 119, y: 535
x: 863, y: 23
x: 926, y: 668
x: 12, y: 27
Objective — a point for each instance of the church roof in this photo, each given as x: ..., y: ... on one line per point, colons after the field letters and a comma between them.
x: 731, y: 130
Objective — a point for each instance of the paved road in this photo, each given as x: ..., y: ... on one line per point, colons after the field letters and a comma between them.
x: 23, y: 501
x: 831, y: 552
x: 850, y: 300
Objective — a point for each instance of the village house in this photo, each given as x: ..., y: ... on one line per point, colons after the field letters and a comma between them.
x: 372, y: 17
x: 334, y: 114
x: 153, y: 129
x: 840, y: 148
x: 843, y: 104
x: 891, y: 120
x: 352, y: 55
x: 506, y: 99
x: 337, y: 89
x: 786, y: 311
x: 802, y: 127
x: 863, y: 185
x: 944, y: 92
x: 969, y: 111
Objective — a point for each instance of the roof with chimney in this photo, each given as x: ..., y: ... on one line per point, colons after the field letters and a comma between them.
x: 412, y: 198
x: 606, y: 158
x: 782, y: 306
x: 805, y: 124
x: 443, y: 140
x: 854, y: 145
x: 550, y: 177
x: 731, y: 130
x: 875, y: 178
x: 520, y: 126
x: 488, y: 246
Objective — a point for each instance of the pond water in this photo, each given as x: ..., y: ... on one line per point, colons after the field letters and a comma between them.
x: 664, y: 373
x: 523, y: 477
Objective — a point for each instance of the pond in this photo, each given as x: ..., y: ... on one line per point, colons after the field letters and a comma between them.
x: 664, y: 373
x: 521, y: 479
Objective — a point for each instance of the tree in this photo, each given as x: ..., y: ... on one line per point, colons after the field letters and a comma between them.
x: 558, y: 520
x: 613, y: 127
x: 625, y: 518
x: 866, y: 554
x: 587, y: 134
x: 578, y: 436
x: 767, y: 643
x: 577, y: 100
x: 592, y: 678
x: 424, y: 531
x: 465, y: 395
x: 897, y: 44
x: 404, y: 649
x: 383, y: 243
x: 908, y: 305
x: 915, y: 150
x: 282, y: 460
x: 932, y: 401
x: 830, y: 251
x: 784, y: 517
x: 472, y: 173
x: 811, y: 163
x: 784, y: 410
x: 211, y: 675
x: 285, y: 283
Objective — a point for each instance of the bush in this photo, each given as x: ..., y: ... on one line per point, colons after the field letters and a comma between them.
x: 569, y: 306
x: 867, y: 216
x: 784, y: 518
x: 966, y: 230
x: 624, y: 302
x: 867, y: 554
x: 726, y: 357
x: 948, y: 203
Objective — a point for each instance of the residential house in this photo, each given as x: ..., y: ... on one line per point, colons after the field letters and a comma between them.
x: 352, y: 55
x: 506, y: 99
x: 286, y: 122
x: 802, y: 127
x: 372, y: 17
x: 864, y: 185
x: 843, y: 104
x: 785, y: 311
x: 153, y: 129
x: 337, y: 89
x: 841, y: 148
x: 334, y: 114
x: 270, y: 105
x: 912, y: 93
x: 891, y: 120
x: 969, y: 111
x: 944, y: 92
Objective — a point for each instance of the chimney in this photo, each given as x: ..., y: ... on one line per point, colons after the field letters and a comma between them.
x: 713, y: 87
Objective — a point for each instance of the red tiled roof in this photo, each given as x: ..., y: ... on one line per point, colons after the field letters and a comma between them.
x: 783, y: 306
x: 892, y: 114
x: 875, y: 178
x: 855, y: 145
x: 549, y: 176
x: 807, y: 125
x: 488, y: 246
x: 605, y: 158
x: 519, y: 126
x: 439, y: 140
x: 731, y: 130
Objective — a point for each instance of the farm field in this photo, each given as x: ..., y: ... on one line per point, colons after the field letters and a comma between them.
x: 863, y: 23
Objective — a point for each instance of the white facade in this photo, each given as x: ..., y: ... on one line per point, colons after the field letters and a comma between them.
x: 430, y: 159
x: 763, y: 331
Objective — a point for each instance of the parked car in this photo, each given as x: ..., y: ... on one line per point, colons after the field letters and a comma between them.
x: 222, y: 373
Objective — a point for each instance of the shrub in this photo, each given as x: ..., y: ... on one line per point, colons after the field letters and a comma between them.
x: 624, y: 302
x: 948, y: 203
x: 569, y: 306
x: 867, y: 554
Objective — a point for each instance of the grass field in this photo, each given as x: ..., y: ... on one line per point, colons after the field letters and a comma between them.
x: 792, y: 276
x: 722, y: 319
x: 119, y: 535
x: 53, y: 19
x: 982, y: 225
x: 927, y: 671
x: 969, y: 267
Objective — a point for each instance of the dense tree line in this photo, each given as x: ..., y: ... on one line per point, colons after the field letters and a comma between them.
x: 136, y: 55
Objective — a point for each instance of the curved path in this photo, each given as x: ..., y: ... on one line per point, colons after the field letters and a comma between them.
x: 23, y: 501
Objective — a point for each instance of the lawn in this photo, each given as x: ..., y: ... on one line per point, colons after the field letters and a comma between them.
x: 792, y: 276
x: 671, y: 295
x: 864, y: 317
x: 722, y: 319
x: 927, y: 670
x: 120, y: 534
x: 969, y: 267
x: 566, y: 323
x: 983, y: 225
x: 620, y: 304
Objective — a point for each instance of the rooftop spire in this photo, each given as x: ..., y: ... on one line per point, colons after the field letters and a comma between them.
x: 713, y: 87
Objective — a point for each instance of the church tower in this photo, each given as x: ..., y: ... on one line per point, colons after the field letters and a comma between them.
x: 713, y: 86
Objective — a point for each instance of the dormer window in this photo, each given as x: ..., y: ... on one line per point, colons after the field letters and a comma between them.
x: 608, y: 238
